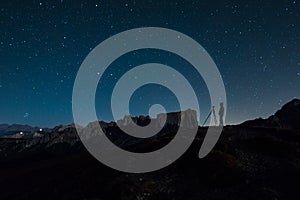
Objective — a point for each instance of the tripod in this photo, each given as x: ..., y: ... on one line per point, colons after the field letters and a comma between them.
x: 209, y: 114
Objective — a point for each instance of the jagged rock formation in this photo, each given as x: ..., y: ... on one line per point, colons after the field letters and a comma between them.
x: 246, y: 163
x: 189, y: 120
x: 288, y: 117
x: 186, y: 119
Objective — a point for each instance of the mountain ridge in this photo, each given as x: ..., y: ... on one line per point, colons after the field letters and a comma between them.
x: 246, y: 163
x: 287, y: 117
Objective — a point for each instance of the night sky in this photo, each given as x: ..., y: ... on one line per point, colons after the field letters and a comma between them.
x: 255, y: 44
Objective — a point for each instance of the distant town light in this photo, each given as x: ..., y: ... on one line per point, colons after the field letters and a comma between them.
x: 41, y: 129
x: 21, y: 133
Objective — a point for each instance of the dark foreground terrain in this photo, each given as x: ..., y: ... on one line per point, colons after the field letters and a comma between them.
x: 248, y: 162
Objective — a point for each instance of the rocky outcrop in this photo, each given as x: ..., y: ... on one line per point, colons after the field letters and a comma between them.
x: 288, y: 117
x: 186, y: 119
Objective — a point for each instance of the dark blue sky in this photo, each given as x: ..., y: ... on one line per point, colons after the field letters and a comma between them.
x: 255, y: 44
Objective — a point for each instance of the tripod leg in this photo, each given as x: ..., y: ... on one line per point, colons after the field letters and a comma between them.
x: 206, y: 118
x: 215, y: 119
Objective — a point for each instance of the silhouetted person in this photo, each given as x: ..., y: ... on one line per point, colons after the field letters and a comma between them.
x: 221, y: 114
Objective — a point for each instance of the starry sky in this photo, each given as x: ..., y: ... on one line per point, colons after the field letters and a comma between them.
x: 255, y: 44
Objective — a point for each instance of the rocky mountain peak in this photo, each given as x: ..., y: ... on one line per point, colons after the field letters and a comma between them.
x: 288, y: 117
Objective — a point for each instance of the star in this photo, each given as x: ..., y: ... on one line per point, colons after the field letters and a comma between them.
x: 265, y: 67
x: 242, y: 45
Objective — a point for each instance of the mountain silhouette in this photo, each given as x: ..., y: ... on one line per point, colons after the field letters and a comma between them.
x: 13, y: 129
x: 256, y: 160
x: 288, y: 117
